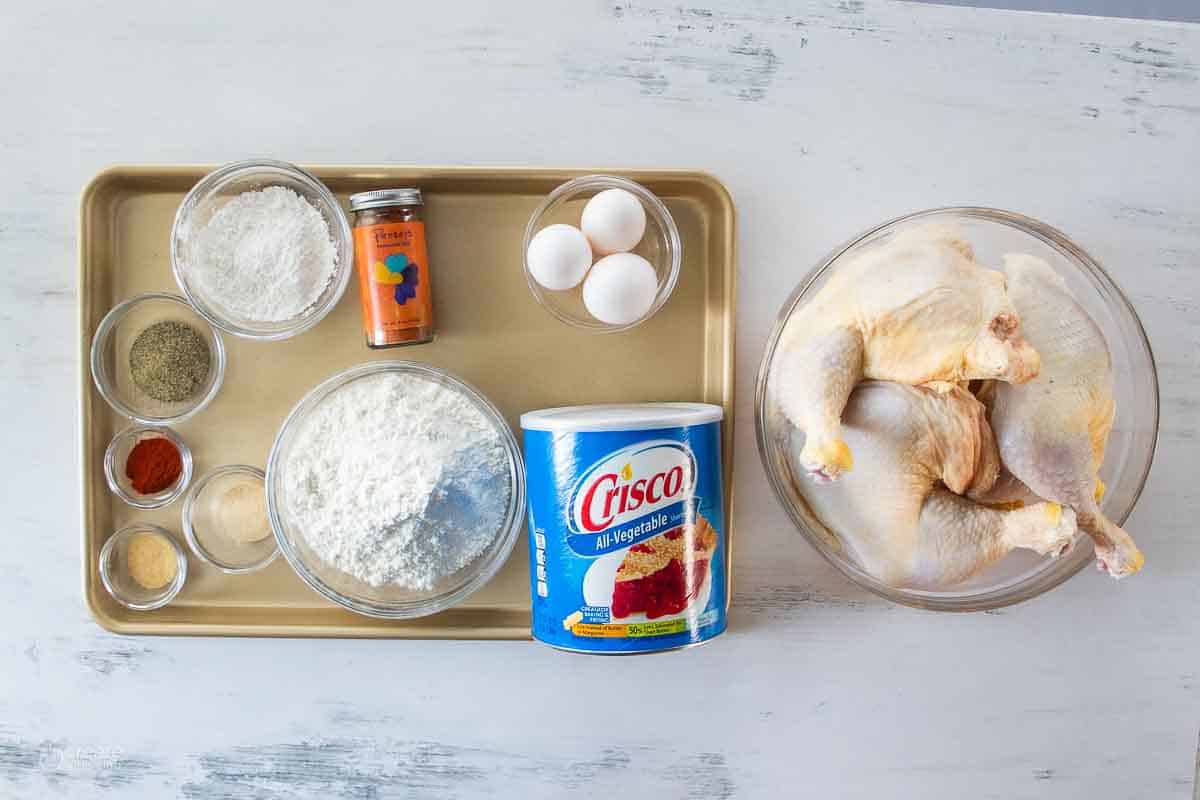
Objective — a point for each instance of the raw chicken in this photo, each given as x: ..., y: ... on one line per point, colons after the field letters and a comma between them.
x: 898, y: 513
x: 913, y: 310
x: 1052, y: 431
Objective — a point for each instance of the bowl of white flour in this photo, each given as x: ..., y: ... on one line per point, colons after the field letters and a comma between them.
x: 395, y: 489
x: 261, y: 249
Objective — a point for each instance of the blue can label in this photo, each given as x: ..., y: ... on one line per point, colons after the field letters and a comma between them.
x: 627, y: 540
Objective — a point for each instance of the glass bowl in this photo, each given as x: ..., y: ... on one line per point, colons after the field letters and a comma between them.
x: 117, y: 453
x: 207, y: 533
x: 226, y: 183
x: 1022, y: 574
x: 391, y: 600
x: 110, y: 358
x: 660, y: 246
x: 114, y: 573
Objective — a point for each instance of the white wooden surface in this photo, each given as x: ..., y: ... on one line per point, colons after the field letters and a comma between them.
x: 822, y: 117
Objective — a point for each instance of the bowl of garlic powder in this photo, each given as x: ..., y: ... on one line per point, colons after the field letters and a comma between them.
x: 262, y: 249
x: 143, y: 567
x: 395, y: 489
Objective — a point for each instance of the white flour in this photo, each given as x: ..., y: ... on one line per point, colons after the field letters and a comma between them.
x: 265, y: 255
x: 396, y: 479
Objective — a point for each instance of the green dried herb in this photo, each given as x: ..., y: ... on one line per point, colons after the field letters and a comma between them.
x: 169, y: 361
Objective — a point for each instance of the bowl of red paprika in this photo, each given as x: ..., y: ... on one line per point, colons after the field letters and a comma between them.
x: 148, y: 466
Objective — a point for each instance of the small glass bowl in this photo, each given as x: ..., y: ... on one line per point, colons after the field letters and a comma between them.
x: 1021, y: 574
x: 390, y: 601
x: 110, y: 358
x: 115, y: 575
x: 203, y: 529
x: 118, y: 452
x: 660, y: 246
x: 226, y: 183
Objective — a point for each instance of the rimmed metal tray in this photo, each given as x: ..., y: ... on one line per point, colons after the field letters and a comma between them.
x: 491, y: 332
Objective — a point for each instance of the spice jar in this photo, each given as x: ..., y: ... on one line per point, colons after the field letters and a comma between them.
x: 393, y: 267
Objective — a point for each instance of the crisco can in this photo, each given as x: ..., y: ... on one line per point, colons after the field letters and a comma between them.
x: 626, y: 526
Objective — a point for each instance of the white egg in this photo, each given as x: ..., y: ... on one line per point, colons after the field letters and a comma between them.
x: 620, y: 288
x: 559, y: 256
x: 614, y: 221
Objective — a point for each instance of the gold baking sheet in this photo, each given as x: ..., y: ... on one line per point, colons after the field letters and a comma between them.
x: 491, y: 332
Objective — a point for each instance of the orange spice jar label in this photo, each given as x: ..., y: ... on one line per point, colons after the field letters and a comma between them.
x: 393, y: 281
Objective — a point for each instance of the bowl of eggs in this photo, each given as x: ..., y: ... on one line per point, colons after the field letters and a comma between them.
x: 602, y: 253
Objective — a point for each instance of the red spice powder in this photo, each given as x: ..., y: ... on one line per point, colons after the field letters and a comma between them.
x: 153, y: 465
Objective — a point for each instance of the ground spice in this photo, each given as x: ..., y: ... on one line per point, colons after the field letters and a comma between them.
x: 242, y: 509
x: 151, y: 561
x: 169, y: 361
x: 153, y: 465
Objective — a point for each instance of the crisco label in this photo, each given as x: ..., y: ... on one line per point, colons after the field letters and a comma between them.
x: 631, y: 495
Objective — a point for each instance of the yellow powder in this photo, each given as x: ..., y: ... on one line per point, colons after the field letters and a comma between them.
x: 243, y: 513
x: 151, y: 561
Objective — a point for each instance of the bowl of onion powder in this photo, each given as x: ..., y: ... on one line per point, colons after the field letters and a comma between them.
x: 261, y: 249
x: 395, y: 489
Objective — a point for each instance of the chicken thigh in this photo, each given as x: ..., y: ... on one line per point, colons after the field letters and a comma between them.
x: 898, y: 514
x: 1052, y: 432
x: 912, y: 310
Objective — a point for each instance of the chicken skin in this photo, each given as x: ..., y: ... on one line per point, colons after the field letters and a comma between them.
x: 906, y: 513
x: 914, y: 309
x: 1052, y: 431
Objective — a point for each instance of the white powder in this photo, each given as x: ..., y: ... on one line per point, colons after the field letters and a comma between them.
x: 265, y: 256
x: 396, y: 479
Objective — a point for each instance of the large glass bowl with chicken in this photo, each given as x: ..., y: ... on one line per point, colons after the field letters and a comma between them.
x: 959, y: 409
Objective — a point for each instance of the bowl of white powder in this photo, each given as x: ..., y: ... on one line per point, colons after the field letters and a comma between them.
x: 262, y: 249
x: 395, y: 489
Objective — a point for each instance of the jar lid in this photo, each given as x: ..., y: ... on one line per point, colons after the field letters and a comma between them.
x: 386, y: 197
x: 620, y: 417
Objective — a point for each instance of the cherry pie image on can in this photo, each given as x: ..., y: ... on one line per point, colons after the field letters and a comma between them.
x: 626, y: 526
